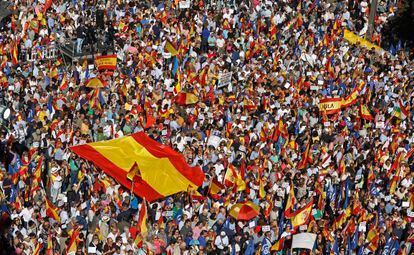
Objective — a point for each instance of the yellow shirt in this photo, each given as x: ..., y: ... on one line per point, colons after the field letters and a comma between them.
x: 42, y: 115
x: 84, y: 129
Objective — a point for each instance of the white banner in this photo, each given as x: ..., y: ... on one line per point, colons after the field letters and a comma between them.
x: 303, y: 240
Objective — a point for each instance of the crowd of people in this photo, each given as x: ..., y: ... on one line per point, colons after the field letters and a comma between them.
x: 283, y: 57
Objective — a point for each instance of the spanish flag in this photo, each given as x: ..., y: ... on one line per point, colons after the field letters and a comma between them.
x: 138, y: 240
x: 14, y: 53
x: 262, y: 192
x: 215, y: 188
x: 306, y: 157
x: 278, y: 246
x: 51, y: 211
x: 185, y: 98
x: 291, y: 201
x: 171, y: 48
x: 330, y: 105
x: 302, y: 216
x: 233, y: 179
x: 372, y: 239
x: 38, y: 171
x: 151, y: 169
x: 49, y: 248
x: 73, y: 242
x: 142, y: 218
x: 37, y: 249
x: 107, y: 62
x: 64, y: 83
x: 364, y: 112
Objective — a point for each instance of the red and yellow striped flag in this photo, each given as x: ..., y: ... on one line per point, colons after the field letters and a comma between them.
x: 37, y: 249
x: 330, y: 105
x: 49, y: 249
x: 365, y: 114
x: 306, y: 157
x: 171, y: 48
x: 14, y: 53
x: 278, y: 246
x: 372, y: 239
x: 291, y: 200
x: 51, y: 210
x: 142, y: 218
x: 73, y: 242
x: 64, y: 83
x: 38, y: 171
x: 160, y: 170
x: 215, y: 188
x: 186, y: 98
x: 301, y: 216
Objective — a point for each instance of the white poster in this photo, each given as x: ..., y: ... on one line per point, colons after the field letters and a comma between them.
x: 224, y: 79
x: 184, y: 4
x: 303, y: 240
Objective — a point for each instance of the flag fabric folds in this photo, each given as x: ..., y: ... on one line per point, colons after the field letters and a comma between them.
x: 142, y: 218
x: 186, y: 98
x: 51, y: 210
x: 171, y: 48
x: 302, y: 216
x: 73, y: 242
x: 160, y: 170
x: 365, y: 114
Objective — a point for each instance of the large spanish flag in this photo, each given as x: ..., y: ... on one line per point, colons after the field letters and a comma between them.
x: 330, y: 105
x: 152, y: 170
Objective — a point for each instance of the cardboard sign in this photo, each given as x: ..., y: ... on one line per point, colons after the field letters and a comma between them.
x: 303, y: 227
x: 184, y: 4
x: 214, y: 141
x: 313, y: 87
x: 405, y: 204
x: 266, y: 228
x: 224, y: 79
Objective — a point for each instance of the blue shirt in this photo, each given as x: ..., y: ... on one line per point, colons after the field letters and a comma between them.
x: 205, y: 34
x: 202, y: 241
x: 50, y: 23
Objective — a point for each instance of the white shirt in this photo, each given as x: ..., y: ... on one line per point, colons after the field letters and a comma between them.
x: 221, y: 242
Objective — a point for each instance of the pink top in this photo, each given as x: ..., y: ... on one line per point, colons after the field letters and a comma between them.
x: 196, y: 233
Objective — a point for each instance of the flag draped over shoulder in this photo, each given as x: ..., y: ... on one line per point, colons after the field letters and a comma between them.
x: 150, y: 169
